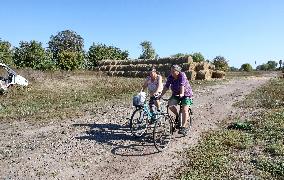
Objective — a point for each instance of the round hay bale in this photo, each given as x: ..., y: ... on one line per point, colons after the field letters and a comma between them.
x: 218, y: 74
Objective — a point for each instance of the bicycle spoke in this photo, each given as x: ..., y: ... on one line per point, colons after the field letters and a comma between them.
x: 162, y: 133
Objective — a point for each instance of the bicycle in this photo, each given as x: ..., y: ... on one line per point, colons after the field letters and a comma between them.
x: 141, y: 118
x: 163, y: 124
x: 166, y: 126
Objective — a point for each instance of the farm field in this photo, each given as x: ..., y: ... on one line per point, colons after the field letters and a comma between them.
x: 74, y: 125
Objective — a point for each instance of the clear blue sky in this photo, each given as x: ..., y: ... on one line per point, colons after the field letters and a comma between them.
x: 240, y: 30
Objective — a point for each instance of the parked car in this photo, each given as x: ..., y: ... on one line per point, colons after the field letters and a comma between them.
x: 9, y: 77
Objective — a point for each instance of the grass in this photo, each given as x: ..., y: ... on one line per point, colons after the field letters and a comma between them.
x: 61, y: 94
x: 246, y: 149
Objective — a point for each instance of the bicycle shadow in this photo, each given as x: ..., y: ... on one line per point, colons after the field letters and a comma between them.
x: 119, y: 137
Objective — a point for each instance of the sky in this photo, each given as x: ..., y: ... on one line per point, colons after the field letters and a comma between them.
x: 243, y: 31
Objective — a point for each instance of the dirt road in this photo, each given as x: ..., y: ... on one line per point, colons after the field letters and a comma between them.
x: 100, y: 146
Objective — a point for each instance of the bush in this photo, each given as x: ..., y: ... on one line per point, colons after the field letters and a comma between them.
x: 246, y: 67
x: 6, y: 53
x: 99, y: 52
x: 197, y: 57
x: 233, y: 69
x: 180, y: 55
x: 270, y: 65
x: 66, y: 43
x: 221, y: 63
x: 69, y: 60
x: 31, y: 54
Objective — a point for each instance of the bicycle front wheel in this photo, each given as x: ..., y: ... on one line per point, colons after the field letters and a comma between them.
x: 138, y: 123
x: 162, y: 132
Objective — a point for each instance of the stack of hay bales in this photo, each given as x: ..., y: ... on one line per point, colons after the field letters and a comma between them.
x: 139, y: 68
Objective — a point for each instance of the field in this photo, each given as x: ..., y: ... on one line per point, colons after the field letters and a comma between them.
x: 74, y: 125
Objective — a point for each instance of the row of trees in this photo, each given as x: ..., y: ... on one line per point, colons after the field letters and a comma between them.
x: 269, y: 66
x: 65, y: 51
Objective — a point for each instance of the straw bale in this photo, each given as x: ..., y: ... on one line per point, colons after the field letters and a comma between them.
x: 218, y: 74
x: 191, y: 75
x: 211, y: 66
x: 202, y: 66
x: 204, y: 75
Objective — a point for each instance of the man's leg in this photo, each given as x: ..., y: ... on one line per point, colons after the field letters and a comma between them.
x: 172, y: 106
x: 185, y: 116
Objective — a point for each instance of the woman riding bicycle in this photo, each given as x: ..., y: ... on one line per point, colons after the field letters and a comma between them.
x: 154, y: 84
x: 181, y: 92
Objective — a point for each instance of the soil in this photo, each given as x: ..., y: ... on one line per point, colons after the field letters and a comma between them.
x: 101, y: 146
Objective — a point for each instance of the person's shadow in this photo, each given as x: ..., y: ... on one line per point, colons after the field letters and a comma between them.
x: 120, y: 139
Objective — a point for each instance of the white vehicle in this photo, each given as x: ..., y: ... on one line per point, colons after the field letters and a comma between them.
x: 8, y: 78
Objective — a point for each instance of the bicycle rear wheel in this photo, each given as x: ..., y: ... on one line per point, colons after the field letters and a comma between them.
x: 162, y: 133
x: 138, y: 123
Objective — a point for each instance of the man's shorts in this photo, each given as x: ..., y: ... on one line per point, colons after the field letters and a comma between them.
x: 185, y: 101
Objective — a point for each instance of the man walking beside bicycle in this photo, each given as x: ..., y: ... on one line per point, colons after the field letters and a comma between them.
x: 181, y: 93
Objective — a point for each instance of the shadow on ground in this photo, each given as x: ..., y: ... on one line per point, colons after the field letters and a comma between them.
x: 119, y: 138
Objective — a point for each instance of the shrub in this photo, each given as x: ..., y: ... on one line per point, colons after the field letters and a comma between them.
x: 99, y: 52
x: 246, y: 67
x: 31, y: 54
x: 221, y: 63
x: 69, y: 60
x: 6, y: 53
x: 197, y: 57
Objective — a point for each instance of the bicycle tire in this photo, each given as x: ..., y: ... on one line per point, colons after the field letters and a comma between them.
x: 138, y: 123
x: 162, y: 133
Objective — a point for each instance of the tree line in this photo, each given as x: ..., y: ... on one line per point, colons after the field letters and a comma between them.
x: 66, y: 51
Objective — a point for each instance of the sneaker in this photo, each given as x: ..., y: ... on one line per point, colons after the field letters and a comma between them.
x: 183, y: 131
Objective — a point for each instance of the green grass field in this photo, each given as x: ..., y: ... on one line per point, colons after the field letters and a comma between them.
x: 61, y: 95
x: 248, y: 149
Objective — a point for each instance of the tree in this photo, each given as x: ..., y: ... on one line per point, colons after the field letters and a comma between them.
x: 197, y: 57
x: 221, y: 63
x: 246, y: 67
x: 272, y: 65
x: 64, y: 42
x: 68, y: 60
x: 233, y: 69
x: 6, y: 53
x: 280, y: 64
x: 99, y: 52
x: 180, y: 55
x: 32, y: 54
x: 148, y: 52
x: 264, y: 67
